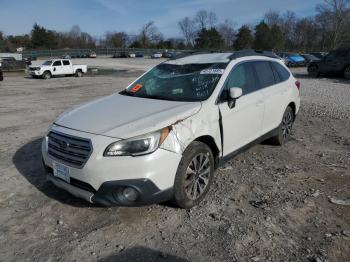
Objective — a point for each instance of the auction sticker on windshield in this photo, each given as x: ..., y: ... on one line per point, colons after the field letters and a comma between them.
x: 212, y: 71
x: 136, y: 88
x: 61, y: 171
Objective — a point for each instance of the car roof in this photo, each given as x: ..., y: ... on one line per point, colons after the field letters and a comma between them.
x: 201, y: 59
x: 218, y: 57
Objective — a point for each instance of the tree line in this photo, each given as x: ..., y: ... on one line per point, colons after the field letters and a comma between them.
x: 329, y: 28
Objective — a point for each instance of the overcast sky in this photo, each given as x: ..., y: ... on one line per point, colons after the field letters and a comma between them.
x: 98, y: 16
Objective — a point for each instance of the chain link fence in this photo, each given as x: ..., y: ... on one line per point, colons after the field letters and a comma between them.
x: 98, y: 51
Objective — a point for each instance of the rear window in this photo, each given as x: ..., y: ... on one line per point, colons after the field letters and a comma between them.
x: 66, y: 62
x: 264, y: 72
x: 281, y: 71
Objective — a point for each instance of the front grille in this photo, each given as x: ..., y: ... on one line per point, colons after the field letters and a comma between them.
x: 73, y: 151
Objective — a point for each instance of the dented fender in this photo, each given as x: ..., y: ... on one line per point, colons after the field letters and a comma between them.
x: 185, y: 131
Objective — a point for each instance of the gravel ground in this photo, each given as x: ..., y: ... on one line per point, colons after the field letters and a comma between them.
x: 270, y: 203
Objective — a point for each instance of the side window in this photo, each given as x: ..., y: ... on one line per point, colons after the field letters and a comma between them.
x: 66, y: 62
x: 281, y: 71
x: 242, y: 76
x: 264, y: 73
x: 57, y: 63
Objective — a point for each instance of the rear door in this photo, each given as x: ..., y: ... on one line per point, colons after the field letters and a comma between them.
x: 242, y: 123
x: 274, y: 85
x: 57, y: 68
x: 67, y: 67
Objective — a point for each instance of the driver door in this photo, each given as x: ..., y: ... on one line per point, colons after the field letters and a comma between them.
x: 241, y: 124
x: 57, y: 68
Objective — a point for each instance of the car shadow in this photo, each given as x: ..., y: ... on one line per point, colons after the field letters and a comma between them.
x: 142, y: 254
x: 27, y: 161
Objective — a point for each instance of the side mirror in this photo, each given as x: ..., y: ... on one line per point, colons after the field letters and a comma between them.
x: 234, y: 94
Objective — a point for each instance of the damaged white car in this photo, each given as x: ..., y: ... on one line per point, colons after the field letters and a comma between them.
x: 163, y: 137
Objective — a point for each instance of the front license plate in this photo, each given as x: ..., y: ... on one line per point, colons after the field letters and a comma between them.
x: 61, y: 171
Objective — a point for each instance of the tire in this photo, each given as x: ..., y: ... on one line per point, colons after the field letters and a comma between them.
x: 313, y: 71
x: 78, y: 73
x: 46, y: 75
x: 194, y: 175
x: 285, y: 128
x: 347, y: 72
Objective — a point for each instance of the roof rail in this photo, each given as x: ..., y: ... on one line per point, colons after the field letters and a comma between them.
x: 252, y: 52
x: 198, y: 52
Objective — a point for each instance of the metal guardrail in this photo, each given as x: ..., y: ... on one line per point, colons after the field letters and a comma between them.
x: 99, y: 51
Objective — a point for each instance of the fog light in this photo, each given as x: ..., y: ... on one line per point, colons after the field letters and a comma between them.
x: 130, y: 194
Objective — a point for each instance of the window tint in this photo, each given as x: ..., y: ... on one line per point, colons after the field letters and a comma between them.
x: 66, y: 62
x: 341, y: 53
x: 242, y: 76
x: 281, y: 71
x: 264, y: 72
x: 57, y: 63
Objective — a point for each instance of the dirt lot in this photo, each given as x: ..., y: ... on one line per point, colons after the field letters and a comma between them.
x: 268, y: 204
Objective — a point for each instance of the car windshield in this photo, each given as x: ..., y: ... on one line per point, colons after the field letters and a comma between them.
x: 48, y: 62
x: 189, y: 82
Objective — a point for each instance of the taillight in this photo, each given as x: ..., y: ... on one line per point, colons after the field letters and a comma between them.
x: 298, y: 85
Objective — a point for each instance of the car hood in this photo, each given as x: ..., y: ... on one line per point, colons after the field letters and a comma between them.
x: 123, y: 117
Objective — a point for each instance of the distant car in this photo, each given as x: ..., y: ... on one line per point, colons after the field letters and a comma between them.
x: 156, y: 55
x: 132, y: 55
x: 337, y: 62
x: 92, y: 55
x: 292, y: 60
x: 309, y: 58
x: 66, y: 56
x: 168, y: 54
x: 57, y: 67
x: 139, y: 54
x: 319, y: 55
x: 1, y: 74
x: 10, y: 64
x: 121, y: 55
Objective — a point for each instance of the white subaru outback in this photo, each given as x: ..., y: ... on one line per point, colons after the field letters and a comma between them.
x: 163, y: 137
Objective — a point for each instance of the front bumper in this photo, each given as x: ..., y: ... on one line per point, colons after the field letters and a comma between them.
x: 102, y: 179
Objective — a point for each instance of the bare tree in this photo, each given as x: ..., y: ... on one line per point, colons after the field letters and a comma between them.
x: 212, y: 19
x: 201, y: 19
x: 116, y: 39
x: 333, y: 16
x: 228, y: 32
x: 149, y: 34
x: 273, y: 18
x: 188, y: 30
x: 205, y: 19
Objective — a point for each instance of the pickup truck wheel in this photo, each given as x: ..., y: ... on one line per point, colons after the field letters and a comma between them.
x: 194, y: 175
x: 347, y: 72
x: 313, y: 71
x: 46, y: 75
x: 78, y: 73
x: 285, y: 128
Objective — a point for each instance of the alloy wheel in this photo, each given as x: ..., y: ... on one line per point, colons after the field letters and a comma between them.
x: 287, y: 123
x: 347, y: 73
x: 197, y: 176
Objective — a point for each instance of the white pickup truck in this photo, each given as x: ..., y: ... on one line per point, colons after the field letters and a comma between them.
x: 57, y: 67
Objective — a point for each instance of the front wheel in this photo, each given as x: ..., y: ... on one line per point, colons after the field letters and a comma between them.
x: 347, y: 72
x: 194, y: 175
x: 285, y: 128
x: 47, y: 75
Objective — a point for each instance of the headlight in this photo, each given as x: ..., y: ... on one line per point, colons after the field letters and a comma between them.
x: 137, y: 146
